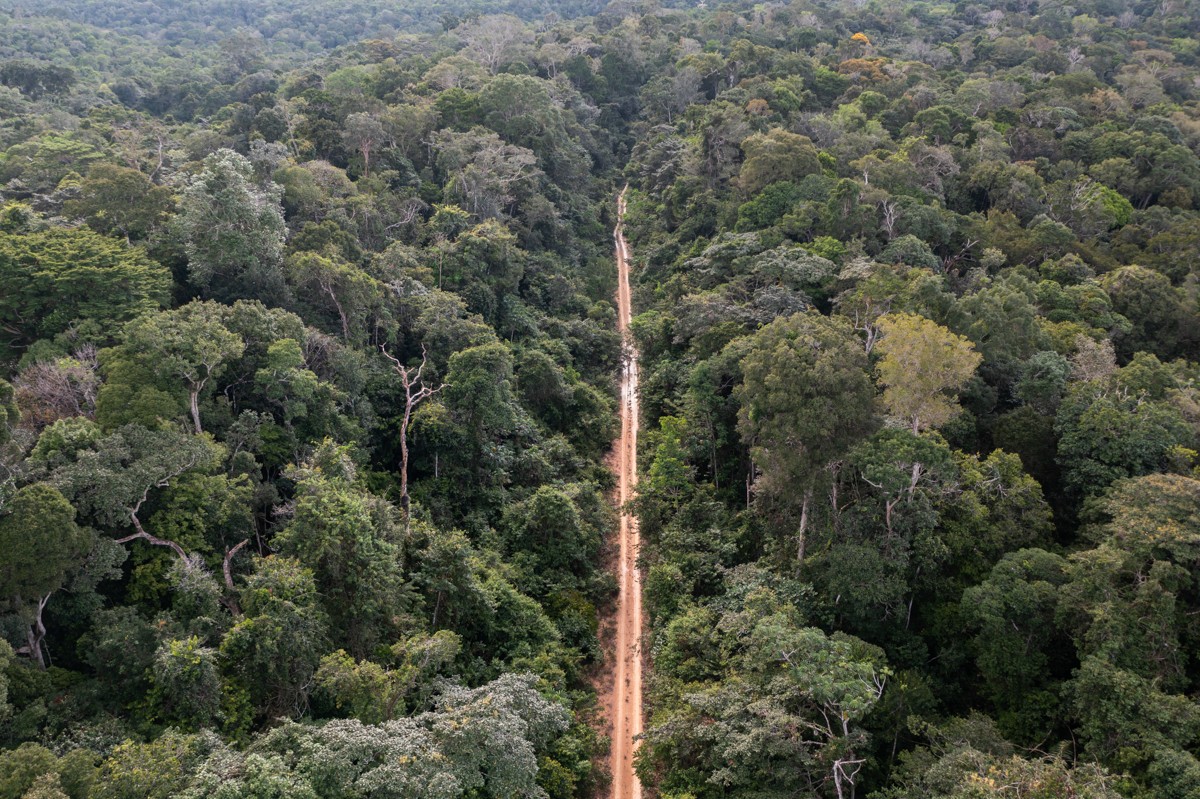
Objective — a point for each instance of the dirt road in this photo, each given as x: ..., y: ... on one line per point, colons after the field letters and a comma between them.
x: 627, y: 687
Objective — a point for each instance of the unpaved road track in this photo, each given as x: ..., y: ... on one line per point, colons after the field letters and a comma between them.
x: 627, y: 687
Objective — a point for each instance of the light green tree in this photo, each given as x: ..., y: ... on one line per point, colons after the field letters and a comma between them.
x: 775, y: 156
x: 376, y: 692
x: 480, y: 742
x: 53, y: 278
x: 966, y: 758
x: 787, y: 714
x: 159, y: 769
x: 923, y: 363
x: 32, y: 770
x: 186, y: 689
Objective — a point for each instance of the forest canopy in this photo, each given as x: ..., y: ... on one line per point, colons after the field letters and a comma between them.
x: 308, y: 374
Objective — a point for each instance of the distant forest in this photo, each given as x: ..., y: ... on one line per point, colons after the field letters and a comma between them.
x: 308, y: 376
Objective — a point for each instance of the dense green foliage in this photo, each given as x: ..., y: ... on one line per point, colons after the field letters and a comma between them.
x: 216, y: 290
x: 989, y: 211
x: 307, y: 371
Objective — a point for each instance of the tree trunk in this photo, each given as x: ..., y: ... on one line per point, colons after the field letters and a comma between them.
x: 230, y: 601
x: 803, y: 528
x: 712, y: 451
x: 917, y: 469
x: 404, y: 461
x: 33, y: 645
x: 410, y: 379
x: 437, y: 608
x: 835, y: 511
x: 328, y: 289
x: 911, y: 599
x: 195, y: 405
x: 36, y: 633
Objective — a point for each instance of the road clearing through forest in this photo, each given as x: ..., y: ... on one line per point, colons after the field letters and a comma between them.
x: 626, y: 696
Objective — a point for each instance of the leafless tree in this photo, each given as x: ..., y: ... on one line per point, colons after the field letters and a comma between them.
x: 1092, y: 361
x: 415, y: 392
x: 891, y: 215
x: 364, y: 132
x: 51, y: 390
x: 494, y: 41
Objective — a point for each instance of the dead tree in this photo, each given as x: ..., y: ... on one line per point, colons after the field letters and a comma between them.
x: 230, y: 601
x: 415, y: 392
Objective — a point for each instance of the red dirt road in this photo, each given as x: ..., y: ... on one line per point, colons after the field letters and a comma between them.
x: 627, y: 686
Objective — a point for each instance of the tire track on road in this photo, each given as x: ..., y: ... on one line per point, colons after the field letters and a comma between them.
x: 627, y: 687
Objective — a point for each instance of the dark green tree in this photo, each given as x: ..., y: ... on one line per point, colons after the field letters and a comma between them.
x: 116, y: 199
x: 351, y: 541
x: 43, y: 546
x: 806, y: 399
x: 274, y: 650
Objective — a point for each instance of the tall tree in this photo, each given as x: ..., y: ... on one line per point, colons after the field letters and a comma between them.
x: 415, y: 392
x: 350, y: 539
x: 116, y: 199
x: 480, y: 395
x: 273, y: 651
x: 110, y: 479
x: 42, y: 545
x: 364, y: 133
x: 486, y: 175
x: 806, y: 399
x: 233, y: 232
x: 190, y: 344
x: 354, y: 295
x: 51, y: 279
x: 775, y: 156
x: 494, y: 40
